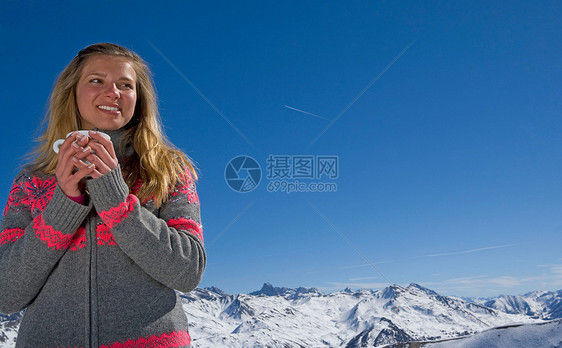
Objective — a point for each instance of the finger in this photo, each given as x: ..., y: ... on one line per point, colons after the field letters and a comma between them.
x: 72, y: 144
x: 68, y: 141
x: 101, y: 166
x: 84, y: 159
x: 108, y: 159
x: 70, y: 184
x: 101, y: 151
x: 78, y: 161
x: 67, y: 165
x: 75, y: 160
x: 81, y: 140
x: 83, y: 172
x: 96, y: 174
x: 75, y: 185
x: 64, y: 149
x: 107, y: 144
x: 82, y: 152
x: 64, y: 165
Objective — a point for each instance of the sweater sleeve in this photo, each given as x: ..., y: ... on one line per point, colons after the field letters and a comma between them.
x: 169, y: 248
x: 38, y: 225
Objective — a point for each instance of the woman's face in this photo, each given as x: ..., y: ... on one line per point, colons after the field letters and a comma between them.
x: 106, y: 93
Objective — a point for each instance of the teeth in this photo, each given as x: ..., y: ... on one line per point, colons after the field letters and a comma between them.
x: 110, y: 108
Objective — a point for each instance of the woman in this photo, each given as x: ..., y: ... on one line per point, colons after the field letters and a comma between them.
x: 95, y: 239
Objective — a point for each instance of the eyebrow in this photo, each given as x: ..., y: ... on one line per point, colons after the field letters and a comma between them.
x: 122, y: 78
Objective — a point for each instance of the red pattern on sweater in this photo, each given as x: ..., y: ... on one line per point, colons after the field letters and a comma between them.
x: 188, y: 225
x: 187, y: 188
x: 79, y: 239
x: 13, y: 200
x: 136, y: 187
x: 165, y: 340
x: 34, y: 193
x: 115, y: 215
x: 104, y: 235
x: 50, y: 236
x: 39, y: 192
x: 10, y: 235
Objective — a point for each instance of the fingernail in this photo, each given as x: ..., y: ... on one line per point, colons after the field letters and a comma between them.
x: 93, y: 132
x: 75, y: 145
x: 87, y: 148
x: 74, y: 159
x: 91, y: 166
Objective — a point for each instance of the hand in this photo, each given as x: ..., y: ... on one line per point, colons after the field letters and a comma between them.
x: 101, y: 154
x: 70, y: 154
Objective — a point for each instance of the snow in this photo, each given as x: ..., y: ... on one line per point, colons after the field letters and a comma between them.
x: 8, y: 333
x: 341, y: 319
x: 538, y: 304
x: 547, y: 335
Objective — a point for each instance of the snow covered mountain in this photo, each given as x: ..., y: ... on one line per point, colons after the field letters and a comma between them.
x: 302, y: 317
x: 292, y: 294
x: 281, y: 317
x: 537, y: 304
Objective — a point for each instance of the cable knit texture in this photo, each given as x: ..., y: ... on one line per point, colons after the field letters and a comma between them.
x: 102, y: 274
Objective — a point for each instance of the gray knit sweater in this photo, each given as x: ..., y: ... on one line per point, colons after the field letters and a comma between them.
x: 102, y: 274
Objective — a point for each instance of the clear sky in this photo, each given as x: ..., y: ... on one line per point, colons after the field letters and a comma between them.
x: 445, y: 119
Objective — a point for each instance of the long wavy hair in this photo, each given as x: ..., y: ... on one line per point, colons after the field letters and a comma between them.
x: 155, y: 163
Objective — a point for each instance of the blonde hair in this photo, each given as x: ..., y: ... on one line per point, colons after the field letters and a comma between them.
x: 155, y: 162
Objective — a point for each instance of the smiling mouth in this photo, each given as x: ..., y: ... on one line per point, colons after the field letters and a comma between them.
x: 108, y: 108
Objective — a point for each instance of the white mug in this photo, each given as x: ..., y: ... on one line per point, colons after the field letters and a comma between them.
x: 58, y: 143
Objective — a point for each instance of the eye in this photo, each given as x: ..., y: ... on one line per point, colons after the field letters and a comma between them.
x: 95, y: 81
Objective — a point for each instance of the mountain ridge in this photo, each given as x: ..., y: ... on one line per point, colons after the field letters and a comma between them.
x: 303, y: 317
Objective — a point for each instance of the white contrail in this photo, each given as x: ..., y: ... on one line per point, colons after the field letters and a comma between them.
x: 306, y: 112
x: 472, y: 250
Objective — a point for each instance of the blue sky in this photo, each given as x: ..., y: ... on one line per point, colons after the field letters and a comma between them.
x: 444, y: 117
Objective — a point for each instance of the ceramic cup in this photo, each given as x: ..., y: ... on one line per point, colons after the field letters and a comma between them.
x: 58, y: 143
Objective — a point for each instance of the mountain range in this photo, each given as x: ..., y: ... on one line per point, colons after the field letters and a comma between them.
x: 306, y: 317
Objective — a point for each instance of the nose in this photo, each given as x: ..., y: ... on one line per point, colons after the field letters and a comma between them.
x: 112, y: 91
